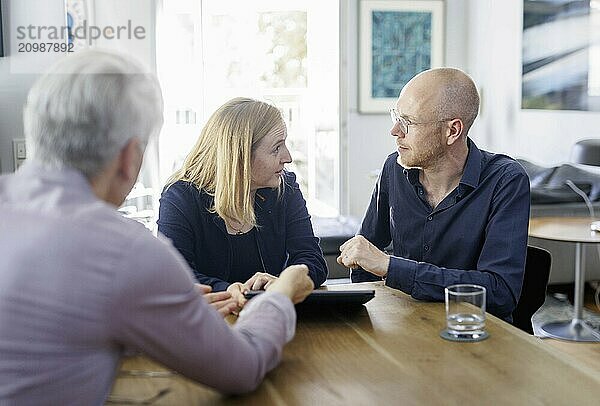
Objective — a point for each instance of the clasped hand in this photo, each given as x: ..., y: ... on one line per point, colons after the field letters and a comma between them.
x: 259, y: 280
x: 359, y: 252
x: 293, y: 282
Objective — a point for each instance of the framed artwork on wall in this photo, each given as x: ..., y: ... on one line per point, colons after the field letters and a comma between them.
x: 79, y: 18
x: 397, y: 40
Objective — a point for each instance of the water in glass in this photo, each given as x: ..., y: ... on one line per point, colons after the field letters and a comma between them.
x: 465, y: 322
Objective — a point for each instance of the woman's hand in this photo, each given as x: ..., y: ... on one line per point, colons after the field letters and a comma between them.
x: 221, y: 301
x: 260, y: 280
x: 237, y: 290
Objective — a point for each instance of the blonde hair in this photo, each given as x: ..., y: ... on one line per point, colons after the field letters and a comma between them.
x: 220, y: 162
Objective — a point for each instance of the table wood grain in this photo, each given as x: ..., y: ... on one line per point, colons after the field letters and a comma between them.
x: 390, y: 352
x: 585, y: 355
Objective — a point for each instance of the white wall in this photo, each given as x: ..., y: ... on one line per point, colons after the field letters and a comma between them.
x: 117, y: 13
x: 13, y: 85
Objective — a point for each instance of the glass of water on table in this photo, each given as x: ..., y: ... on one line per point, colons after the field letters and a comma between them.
x: 465, y: 313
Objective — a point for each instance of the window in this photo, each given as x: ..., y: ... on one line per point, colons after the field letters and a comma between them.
x: 286, y: 52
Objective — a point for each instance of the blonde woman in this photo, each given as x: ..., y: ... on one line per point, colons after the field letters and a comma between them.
x: 235, y: 214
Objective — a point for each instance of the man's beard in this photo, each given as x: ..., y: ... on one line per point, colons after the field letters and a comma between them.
x: 425, y: 157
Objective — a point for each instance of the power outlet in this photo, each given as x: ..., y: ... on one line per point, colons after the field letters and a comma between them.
x: 19, y: 152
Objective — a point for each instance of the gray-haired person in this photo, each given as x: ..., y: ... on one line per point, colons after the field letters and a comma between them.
x: 79, y: 283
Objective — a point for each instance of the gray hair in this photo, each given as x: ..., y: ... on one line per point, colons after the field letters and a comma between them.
x: 87, y: 107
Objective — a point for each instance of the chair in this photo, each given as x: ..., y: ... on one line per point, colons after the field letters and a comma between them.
x: 533, y: 292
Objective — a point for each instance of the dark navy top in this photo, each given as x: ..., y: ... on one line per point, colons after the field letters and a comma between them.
x: 284, y: 235
x: 246, y: 260
x: 477, y: 234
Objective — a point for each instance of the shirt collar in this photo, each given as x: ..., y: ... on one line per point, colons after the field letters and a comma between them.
x: 412, y: 174
x: 471, y: 173
x: 49, y: 187
x: 65, y: 177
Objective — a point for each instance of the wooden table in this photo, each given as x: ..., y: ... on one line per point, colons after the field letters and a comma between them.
x: 577, y: 230
x: 390, y: 352
x: 585, y: 355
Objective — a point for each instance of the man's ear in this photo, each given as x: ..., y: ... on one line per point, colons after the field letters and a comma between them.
x: 116, y: 180
x: 456, y: 130
x: 131, y: 160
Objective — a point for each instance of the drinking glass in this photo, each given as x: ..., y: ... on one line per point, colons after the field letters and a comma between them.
x: 465, y: 312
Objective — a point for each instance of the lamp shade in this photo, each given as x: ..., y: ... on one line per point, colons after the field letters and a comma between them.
x: 586, y: 152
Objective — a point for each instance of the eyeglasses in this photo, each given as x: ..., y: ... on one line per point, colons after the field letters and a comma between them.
x: 404, y: 123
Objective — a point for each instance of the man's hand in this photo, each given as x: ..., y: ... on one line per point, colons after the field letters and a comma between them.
x: 294, y: 283
x: 260, y: 280
x: 221, y: 301
x: 358, y: 251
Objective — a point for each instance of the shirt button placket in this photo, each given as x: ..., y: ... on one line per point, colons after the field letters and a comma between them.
x: 427, y: 235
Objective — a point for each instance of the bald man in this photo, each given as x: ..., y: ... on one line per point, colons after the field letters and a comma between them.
x: 454, y: 213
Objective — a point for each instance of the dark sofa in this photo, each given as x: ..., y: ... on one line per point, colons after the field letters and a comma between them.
x: 552, y: 197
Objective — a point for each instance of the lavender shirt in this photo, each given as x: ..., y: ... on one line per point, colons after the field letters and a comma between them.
x: 79, y: 284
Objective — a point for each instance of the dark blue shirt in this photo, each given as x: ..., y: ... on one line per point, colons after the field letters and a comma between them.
x: 246, y: 259
x: 284, y: 235
x: 477, y: 234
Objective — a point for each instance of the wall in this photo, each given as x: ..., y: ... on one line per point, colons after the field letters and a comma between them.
x: 117, y: 13
x: 14, y: 86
